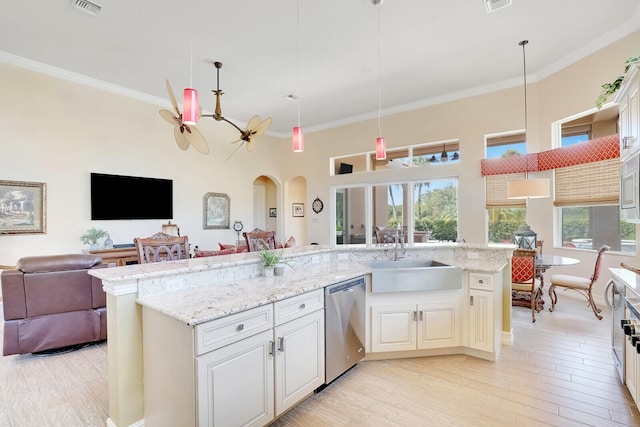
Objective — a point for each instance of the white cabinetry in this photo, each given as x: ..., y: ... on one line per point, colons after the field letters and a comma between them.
x: 485, y: 320
x: 629, y: 101
x: 402, y: 327
x: 242, y: 369
x: 299, y: 353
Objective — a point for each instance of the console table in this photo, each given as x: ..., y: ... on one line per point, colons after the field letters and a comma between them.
x: 118, y: 256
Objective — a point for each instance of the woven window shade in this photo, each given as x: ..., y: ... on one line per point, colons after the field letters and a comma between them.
x: 596, y: 183
x: 496, y: 195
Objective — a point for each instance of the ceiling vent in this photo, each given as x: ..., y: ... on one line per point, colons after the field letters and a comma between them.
x: 87, y: 6
x: 493, y: 5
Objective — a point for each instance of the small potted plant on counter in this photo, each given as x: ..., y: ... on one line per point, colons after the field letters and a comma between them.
x: 273, y: 263
x: 92, y: 236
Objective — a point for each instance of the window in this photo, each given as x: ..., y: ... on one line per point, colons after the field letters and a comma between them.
x: 589, y: 227
x: 504, y: 216
x: 435, y: 210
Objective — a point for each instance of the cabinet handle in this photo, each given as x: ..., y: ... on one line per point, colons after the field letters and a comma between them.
x: 240, y: 327
x: 281, y: 344
x: 627, y: 141
x: 421, y: 315
x: 415, y: 316
x: 471, y: 299
x: 272, y: 347
x: 303, y: 306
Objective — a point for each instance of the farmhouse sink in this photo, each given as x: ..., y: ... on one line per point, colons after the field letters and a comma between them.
x: 413, y: 275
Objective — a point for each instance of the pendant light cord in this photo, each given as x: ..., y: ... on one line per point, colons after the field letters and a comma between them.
x: 523, y: 43
x: 191, y: 46
x: 379, y: 85
x: 298, y: 58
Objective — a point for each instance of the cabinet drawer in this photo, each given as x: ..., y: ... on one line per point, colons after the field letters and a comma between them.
x: 294, y: 307
x: 481, y: 281
x: 220, y: 332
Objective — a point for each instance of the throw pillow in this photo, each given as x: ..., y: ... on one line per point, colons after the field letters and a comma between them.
x: 290, y: 243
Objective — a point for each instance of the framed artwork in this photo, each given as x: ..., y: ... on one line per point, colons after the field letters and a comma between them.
x: 23, y: 207
x: 215, y: 211
x: 298, y: 209
x: 273, y: 212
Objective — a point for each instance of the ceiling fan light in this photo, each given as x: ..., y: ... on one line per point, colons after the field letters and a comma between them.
x: 444, y: 156
x: 433, y: 159
x: 190, y: 103
x: 456, y: 156
x: 381, y: 149
x: 297, y: 138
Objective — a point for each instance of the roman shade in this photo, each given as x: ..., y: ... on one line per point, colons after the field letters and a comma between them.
x: 594, y: 183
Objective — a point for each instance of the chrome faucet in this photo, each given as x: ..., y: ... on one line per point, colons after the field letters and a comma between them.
x: 398, y: 241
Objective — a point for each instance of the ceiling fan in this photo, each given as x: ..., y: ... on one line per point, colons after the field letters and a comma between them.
x: 251, y: 132
x: 185, y: 134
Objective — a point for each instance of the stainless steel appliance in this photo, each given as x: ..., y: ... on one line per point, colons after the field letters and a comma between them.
x: 344, y: 326
x: 614, y: 297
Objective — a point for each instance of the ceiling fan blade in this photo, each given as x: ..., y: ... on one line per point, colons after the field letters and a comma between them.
x: 181, y: 139
x: 255, y: 120
x: 172, y: 98
x: 196, y: 139
x: 234, y: 151
x: 261, y: 128
x: 250, y: 144
x: 169, y: 117
x: 236, y: 141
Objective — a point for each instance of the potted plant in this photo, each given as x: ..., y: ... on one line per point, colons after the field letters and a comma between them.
x: 273, y: 262
x: 611, y: 88
x: 91, y: 236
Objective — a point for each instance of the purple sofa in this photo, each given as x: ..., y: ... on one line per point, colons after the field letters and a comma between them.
x: 52, y: 302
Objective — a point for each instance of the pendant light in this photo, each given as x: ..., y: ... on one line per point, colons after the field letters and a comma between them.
x: 190, y: 96
x: 527, y: 188
x: 297, y: 137
x: 381, y: 148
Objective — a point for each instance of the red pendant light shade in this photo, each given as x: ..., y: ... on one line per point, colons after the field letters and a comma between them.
x: 190, y: 116
x: 381, y: 149
x: 298, y: 139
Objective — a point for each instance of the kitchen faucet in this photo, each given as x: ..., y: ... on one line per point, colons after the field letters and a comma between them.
x: 399, y: 240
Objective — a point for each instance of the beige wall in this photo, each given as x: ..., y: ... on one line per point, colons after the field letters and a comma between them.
x: 58, y: 132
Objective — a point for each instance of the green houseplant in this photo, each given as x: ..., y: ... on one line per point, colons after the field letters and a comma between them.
x: 609, y: 89
x: 271, y: 258
x: 91, y: 236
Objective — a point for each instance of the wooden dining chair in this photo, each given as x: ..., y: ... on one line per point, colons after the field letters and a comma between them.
x: 582, y: 285
x: 161, y: 247
x: 258, y: 240
x: 525, y: 286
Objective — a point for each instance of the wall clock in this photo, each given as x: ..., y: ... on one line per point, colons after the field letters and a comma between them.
x: 317, y: 205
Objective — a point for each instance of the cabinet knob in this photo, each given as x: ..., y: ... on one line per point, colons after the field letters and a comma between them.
x: 481, y: 281
x: 303, y: 306
x: 240, y: 327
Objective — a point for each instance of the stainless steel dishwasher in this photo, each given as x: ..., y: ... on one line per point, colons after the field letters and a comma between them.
x: 344, y: 326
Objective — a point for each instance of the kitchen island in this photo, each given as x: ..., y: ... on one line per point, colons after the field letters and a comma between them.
x: 205, y: 289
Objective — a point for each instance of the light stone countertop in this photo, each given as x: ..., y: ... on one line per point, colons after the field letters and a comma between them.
x: 202, y: 304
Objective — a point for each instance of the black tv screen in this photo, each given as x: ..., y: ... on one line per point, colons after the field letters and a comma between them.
x: 130, y: 197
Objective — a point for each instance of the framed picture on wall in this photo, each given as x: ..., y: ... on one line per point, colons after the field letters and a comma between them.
x: 23, y: 207
x: 298, y: 209
x: 273, y: 212
x: 215, y: 211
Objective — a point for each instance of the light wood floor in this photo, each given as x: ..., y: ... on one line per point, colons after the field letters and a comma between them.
x: 558, y: 372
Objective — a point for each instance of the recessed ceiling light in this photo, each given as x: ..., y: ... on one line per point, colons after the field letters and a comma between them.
x: 87, y: 6
x: 493, y: 5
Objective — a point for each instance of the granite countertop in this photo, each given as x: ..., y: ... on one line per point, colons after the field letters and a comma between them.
x: 199, y: 305
x: 630, y: 279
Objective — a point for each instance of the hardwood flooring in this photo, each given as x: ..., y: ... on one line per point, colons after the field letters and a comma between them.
x: 558, y: 372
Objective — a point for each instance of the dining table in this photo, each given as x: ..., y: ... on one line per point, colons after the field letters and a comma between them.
x: 545, y: 262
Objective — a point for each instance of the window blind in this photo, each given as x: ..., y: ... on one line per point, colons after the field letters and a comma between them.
x: 496, y: 191
x: 596, y: 183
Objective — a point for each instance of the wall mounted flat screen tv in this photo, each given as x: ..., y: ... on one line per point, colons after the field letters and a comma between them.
x: 130, y: 197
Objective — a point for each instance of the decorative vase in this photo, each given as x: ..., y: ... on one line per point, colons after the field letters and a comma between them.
x: 278, y: 270
x: 268, y: 271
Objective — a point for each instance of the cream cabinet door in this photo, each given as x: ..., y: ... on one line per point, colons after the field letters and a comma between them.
x: 235, y: 383
x: 393, y: 327
x: 438, y: 325
x: 299, y: 359
x: 481, y: 334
